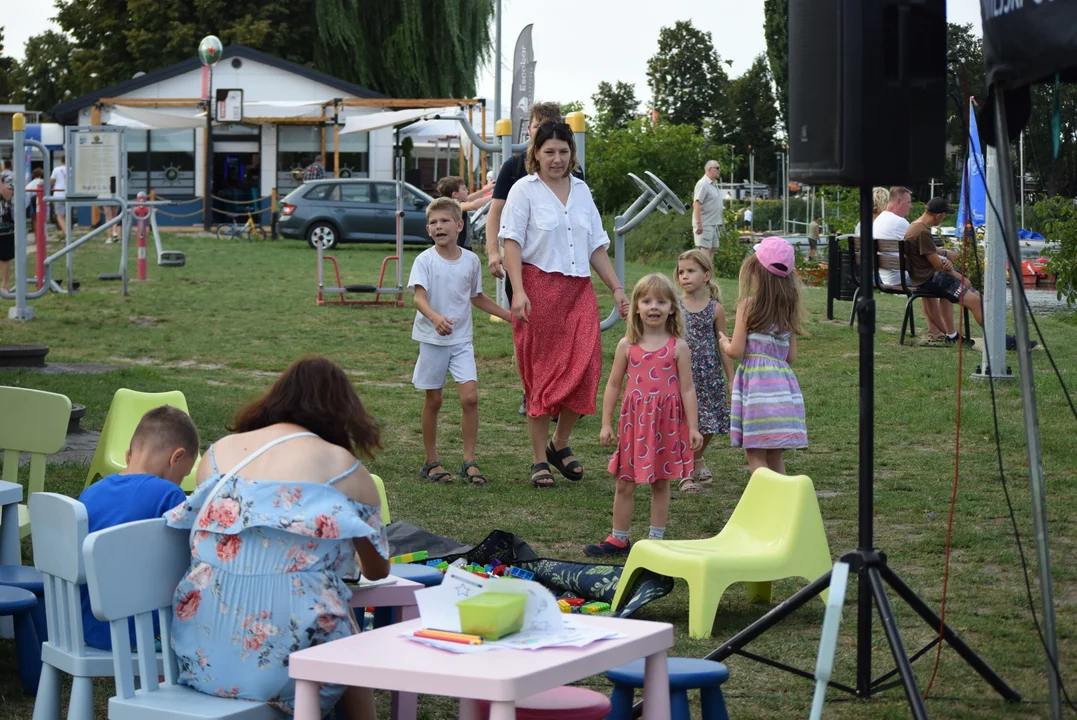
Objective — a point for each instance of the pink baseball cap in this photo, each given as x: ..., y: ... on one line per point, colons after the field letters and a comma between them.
x: 776, y: 255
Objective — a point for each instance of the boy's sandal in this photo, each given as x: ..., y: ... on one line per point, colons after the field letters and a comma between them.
x: 478, y: 479
x: 688, y: 486
x: 541, y: 477
x: 438, y: 477
x: 573, y: 470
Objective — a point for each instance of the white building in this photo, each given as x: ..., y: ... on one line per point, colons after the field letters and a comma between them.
x: 290, y: 113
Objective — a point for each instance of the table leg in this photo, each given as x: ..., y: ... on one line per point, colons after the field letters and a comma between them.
x: 307, y: 706
x: 469, y: 709
x: 10, y: 552
x: 405, y: 706
x: 656, y: 687
x: 502, y: 711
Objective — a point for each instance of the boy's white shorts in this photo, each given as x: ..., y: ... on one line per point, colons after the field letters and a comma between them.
x: 436, y: 360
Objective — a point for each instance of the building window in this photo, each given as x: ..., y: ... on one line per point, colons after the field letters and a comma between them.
x: 162, y: 161
x: 298, y: 145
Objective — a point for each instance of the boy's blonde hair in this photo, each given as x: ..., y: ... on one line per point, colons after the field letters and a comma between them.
x: 660, y: 285
x: 703, y: 259
x: 771, y: 301
x: 164, y: 429
x: 446, y: 204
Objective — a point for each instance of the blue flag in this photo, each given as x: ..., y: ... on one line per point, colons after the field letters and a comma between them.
x: 974, y: 175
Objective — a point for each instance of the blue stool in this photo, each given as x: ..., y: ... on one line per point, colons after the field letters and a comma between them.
x: 684, y: 674
x: 28, y: 578
x: 427, y: 576
x: 20, y: 604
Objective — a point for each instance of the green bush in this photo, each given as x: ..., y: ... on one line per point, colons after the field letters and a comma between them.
x: 674, y: 153
x: 662, y: 238
x: 1062, y: 228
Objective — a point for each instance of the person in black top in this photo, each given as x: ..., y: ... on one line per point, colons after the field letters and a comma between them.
x: 454, y: 187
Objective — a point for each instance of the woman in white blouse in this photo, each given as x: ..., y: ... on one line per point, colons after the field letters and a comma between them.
x: 553, y: 236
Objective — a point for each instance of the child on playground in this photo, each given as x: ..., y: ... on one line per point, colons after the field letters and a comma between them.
x: 657, y: 431
x: 454, y: 187
x: 767, y: 408
x: 704, y: 320
x: 447, y: 281
x: 162, y: 453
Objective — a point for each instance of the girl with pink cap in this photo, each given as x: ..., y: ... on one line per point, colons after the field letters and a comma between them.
x: 767, y: 407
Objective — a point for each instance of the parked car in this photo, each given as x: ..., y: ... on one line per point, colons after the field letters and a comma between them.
x: 353, y: 210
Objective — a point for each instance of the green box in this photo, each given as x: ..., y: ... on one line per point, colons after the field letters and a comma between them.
x: 492, y: 615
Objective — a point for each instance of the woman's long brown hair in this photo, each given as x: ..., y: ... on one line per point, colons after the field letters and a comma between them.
x: 315, y: 394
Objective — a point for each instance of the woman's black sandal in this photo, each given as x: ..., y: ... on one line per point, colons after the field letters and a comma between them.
x: 438, y: 477
x: 573, y: 470
x: 478, y: 479
x: 542, y: 479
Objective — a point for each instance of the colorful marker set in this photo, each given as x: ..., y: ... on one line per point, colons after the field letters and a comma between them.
x: 446, y: 636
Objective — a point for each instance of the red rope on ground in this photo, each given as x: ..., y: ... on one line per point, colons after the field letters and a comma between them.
x: 953, y: 493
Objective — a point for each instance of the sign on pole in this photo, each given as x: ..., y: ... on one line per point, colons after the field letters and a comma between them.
x: 96, y: 162
x: 229, y: 106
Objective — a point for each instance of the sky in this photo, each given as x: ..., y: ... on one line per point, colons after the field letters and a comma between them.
x: 607, y: 40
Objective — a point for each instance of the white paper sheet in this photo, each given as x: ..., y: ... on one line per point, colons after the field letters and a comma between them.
x: 544, y: 623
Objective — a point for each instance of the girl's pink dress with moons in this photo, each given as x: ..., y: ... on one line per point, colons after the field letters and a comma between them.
x: 652, y: 439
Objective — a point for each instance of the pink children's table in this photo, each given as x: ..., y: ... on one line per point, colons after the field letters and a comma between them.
x: 401, y: 595
x: 382, y: 659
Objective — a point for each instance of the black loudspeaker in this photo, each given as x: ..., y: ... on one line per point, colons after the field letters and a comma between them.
x: 867, y: 91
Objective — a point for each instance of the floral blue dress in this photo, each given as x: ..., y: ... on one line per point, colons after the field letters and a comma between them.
x: 267, y: 562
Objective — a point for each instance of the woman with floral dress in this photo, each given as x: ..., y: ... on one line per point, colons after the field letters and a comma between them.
x: 282, y: 510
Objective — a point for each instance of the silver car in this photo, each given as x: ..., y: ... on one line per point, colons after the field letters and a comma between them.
x: 354, y: 210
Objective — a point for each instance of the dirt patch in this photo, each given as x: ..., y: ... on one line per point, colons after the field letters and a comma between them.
x: 145, y: 321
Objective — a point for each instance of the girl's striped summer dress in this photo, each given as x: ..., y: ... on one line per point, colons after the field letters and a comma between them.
x: 767, y: 409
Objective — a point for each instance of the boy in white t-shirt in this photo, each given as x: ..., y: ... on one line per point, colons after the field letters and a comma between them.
x: 447, y: 281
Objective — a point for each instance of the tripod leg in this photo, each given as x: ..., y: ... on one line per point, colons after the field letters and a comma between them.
x: 967, y: 654
x: 893, y: 637
x: 776, y: 615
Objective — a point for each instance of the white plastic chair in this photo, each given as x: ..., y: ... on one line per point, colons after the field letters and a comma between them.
x: 828, y: 642
x: 58, y: 556
x: 132, y: 570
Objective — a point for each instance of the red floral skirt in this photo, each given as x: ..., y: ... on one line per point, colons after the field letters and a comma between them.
x: 559, y: 350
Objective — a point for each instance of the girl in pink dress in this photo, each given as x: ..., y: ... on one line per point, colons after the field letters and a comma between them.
x: 657, y: 432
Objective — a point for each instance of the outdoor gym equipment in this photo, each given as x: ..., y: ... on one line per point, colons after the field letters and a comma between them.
x: 660, y: 198
x: 340, y: 289
x: 144, y: 214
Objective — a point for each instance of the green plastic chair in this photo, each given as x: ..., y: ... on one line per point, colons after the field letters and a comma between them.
x: 775, y: 532
x: 385, y: 518
x: 124, y: 414
x: 35, y: 422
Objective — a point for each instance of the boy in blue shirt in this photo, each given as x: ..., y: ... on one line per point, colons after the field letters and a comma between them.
x: 163, y: 450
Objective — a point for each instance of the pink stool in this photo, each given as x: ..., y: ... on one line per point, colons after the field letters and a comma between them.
x: 560, y: 703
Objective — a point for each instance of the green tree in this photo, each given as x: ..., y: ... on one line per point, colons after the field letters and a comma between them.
x: 409, y: 48
x: 570, y: 107
x: 672, y: 152
x: 9, y: 85
x: 755, y: 114
x: 45, y: 74
x: 687, y: 80
x: 776, y: 30
x: 615, y: 105
x: 1055, y: 175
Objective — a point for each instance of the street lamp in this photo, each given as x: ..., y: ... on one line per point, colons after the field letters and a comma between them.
x: 209, y: 52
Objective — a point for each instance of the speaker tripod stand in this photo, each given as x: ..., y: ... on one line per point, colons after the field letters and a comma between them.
x: 870, y: 565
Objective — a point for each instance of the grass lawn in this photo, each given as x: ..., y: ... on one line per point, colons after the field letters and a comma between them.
x: 221, y: 328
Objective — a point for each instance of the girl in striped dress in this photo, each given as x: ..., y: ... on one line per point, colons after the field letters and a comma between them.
x: 767, y: 408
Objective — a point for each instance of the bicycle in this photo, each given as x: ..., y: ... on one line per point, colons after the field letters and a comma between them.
x: 249, y: 228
